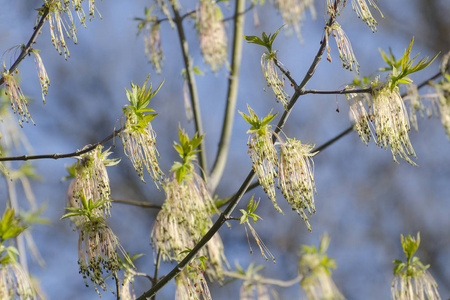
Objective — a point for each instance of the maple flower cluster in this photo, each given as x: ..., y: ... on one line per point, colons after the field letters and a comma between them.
x: 344, y: 48
x: 138, y: 137
x: 213, y: 38
x: 153, y: 48
x: 91, y: 180
x: 15, y: 282
x: 294, y: 167
x: 19, y: 103
x: 89, y: 203
x: 293, y: 13
x: 62, y: 23
x: 315, y: 266
x: 412, y: 280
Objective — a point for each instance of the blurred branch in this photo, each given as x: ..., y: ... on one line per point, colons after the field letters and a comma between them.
x: 233, y: 82
x: 26, y: 49
x: 192, y: 88
x: 262, y: 280
x: 339, y: 92
x: 58, y: 156
x: 137, y: 203
x: 242, y: 190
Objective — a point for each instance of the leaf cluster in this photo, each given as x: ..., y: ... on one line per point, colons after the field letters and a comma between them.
x: 265, y: 41
x: 259, y: 126
x: 187, y: 151
x: 400, y: 69
x: 137, y: 112
x: 413, y: 265
x: 10, y: 225
x: 89, y: 208
x: 249, y: 212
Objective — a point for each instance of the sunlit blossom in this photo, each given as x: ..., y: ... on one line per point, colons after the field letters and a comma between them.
x: 213, y: 38
x: 421, y: 286
x: 91, y: 180
x: 264, y: 157
x: 19, y: 103
x: 363, y: 12
x: 153, y: 49
x: 98, y: 251
x: 15, y: 282
x: 411, y: 278
x: 140, y: 147
x: 293, y: 13
x: 42, y: 73
x: 58, y: 27
x: 315, y: 267
x: 392, y: 123
x: 184, y: 218
x: 273, y: 79
x: 344, y: 47
x: 359, y: 115
x: 296, y: 176
x: 443, y: 93
x: 191, y: 284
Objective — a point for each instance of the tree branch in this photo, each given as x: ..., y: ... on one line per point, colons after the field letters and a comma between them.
x: 58, y: 156
x: 262, y: 280
x: 242, y: 190
x: 233, y: 82
x: 338, y: 92
x: 26, y: 49
x: 136, y: 203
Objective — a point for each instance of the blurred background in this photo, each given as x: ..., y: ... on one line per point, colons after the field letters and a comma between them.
x: 364, y: 199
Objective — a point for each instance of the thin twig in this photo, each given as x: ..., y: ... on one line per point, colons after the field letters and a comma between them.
x: 262, y: 280
x: 27, y: 48
x: 242, y: 190
x: 338, y: 92
x: 286, y: 73
x: 190, y: 78
x: 58, y: 155
x: 136, y: 203
x: 233, y: 82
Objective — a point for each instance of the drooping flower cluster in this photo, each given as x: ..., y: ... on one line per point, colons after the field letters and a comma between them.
x: 89, y: 203
x: 274, y: 80
x: 392, y: 123
x: 19, y: 103
x: 296, y: 176
x: 359, y: 115
x: 15, y: 282
x: 443, y: 92
x: 213, y: 38
x: 411, y: 278
x: 137, y: 135
x: 42, y: 73
x: 386, y: 112
x: 153, y: 49
x: 185, y: 216
x: 98, y: 251
x: 14, y: 279
x: 62, y: 23
x: 344, y: 47
x: 315, y: 266
x: 91, y: 180
x: 293, y: 12
x: 363, y: 12
x: 191, y: 284
x: 140, y: 147
x: 262, y: 152
x: 295, y: 166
